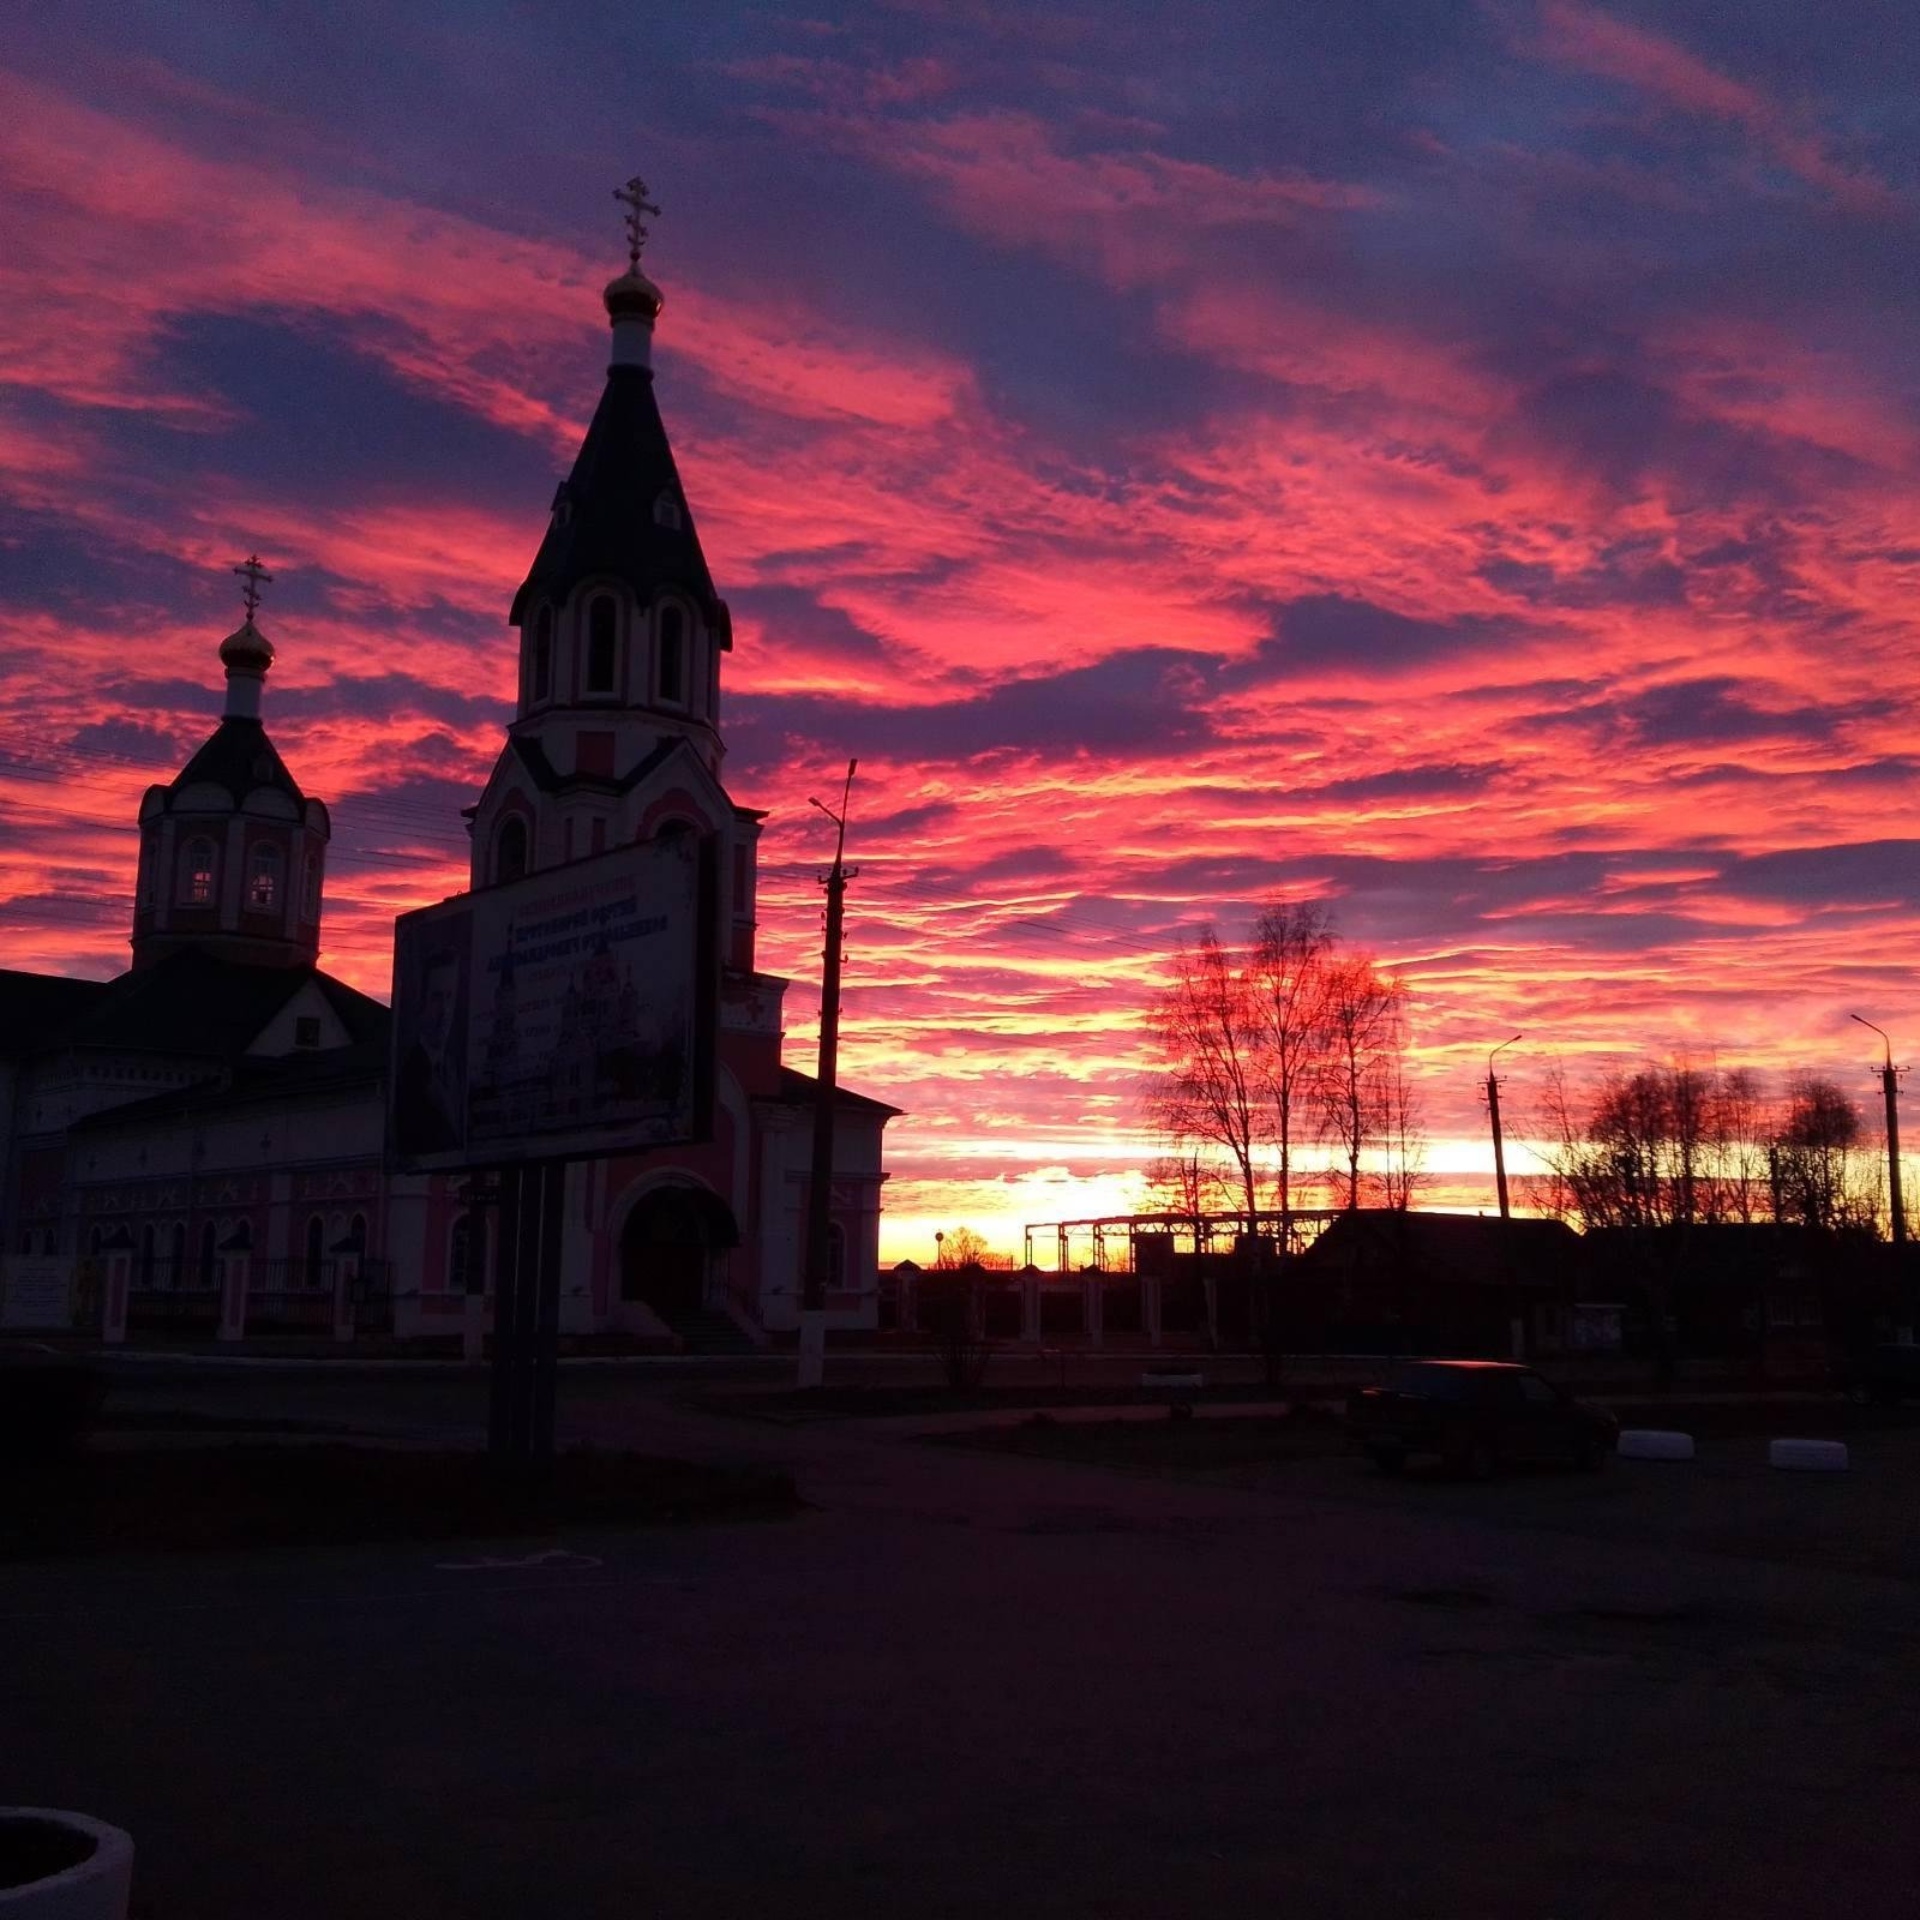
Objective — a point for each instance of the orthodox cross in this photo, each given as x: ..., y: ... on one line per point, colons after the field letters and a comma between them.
x: 633, y: 196
x: 255, y: 573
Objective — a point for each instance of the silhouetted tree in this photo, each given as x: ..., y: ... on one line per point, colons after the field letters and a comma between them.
x: 1290, y: 973
x: 1366, y: 1029
x: 1820, y: 1179
x: 1739, y: 1130
x: 1188, y: 1182
x: 1405, y: 1144
x: 1202, y: 1029
x: 963, y: 1247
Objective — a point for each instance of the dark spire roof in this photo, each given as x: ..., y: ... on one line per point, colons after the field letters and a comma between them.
x: 604, y: 520
x: 238, y: 756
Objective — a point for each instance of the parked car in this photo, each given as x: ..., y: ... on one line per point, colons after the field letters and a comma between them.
x: 1886, y: 1374
x: 1477, y: 1416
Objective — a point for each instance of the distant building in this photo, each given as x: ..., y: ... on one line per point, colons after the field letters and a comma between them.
x: 1388, y: 1279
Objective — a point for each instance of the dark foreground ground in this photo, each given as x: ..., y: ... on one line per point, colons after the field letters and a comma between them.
x: 967, y: 1683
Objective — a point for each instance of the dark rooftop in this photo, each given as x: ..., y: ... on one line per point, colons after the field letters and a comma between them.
x: 239, y: 757
x: 604, y: 521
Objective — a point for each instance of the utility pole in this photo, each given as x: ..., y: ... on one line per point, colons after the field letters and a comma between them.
x: 819, y: 1242
x: 1493, y: 1109
x: 1890, y: 1089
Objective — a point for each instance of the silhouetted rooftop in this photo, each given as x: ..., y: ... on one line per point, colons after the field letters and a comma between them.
x: 604, y: 523
x: 239, y: 757
x: 191, y: 1003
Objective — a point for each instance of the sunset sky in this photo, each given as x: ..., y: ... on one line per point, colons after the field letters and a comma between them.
x: 1459, y: 460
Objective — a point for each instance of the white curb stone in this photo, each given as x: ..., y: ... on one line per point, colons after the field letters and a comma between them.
x: 1652, y: 1443
x: 1808, y: 1456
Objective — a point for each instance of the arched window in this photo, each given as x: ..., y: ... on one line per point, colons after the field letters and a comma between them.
x: 263, y: 879
x: 460, y: 1253
x: 196, y: 872
x: 208, y: 1243
x: 666, y: 511
x: 543, y: 653
x: 673, y: 654
x: 146, y: 1254
x: 510, y: 850
x: 601, y: 633
x: 357, y: 1232
x: 316, y: 1251
x: 177, y: 1259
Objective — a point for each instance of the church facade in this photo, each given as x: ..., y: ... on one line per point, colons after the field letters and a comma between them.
x: 616, y: 741
x: 197, y: 1146
x: 201, y: 1145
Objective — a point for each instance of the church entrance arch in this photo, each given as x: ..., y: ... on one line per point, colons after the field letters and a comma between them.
x: 670, y: 1248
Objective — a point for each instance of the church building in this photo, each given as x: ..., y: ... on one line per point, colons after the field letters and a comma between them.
x: 201, y: 1145
x: 197, y: 1147
x: 616, y: 740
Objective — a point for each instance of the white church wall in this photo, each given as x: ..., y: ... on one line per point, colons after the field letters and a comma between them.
x: 281, y: 1034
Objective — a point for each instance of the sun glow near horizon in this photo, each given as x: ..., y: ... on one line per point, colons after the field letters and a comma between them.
x: 1505, y: 533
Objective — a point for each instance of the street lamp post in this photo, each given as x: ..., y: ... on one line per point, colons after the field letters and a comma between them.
x: 817, y: 1256
x: 1890, y: 1091
x: 1493, y: 1110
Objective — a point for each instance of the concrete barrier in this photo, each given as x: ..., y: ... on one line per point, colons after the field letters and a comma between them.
x: 1652, y: 1443
x: 62, y: 1866
x: 1808, y: 1456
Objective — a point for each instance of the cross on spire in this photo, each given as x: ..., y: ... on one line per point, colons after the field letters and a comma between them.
x: 255, y: 574
x: 633, y: 196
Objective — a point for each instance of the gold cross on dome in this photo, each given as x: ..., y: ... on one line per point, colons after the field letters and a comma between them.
x: 255, y: 573
x: 633, y: 196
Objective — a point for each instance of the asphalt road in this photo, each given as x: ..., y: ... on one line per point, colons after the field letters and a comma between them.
x: 964, y: 1684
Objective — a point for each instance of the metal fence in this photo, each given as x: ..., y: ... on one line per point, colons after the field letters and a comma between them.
x: 156, y: 1304
x: 296, y: 1295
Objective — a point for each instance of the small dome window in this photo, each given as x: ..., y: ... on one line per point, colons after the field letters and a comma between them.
x: 263, y: 879
x: 196, y: 873
x: 602, y: 643
x: 542, y: 674
x: 667, y: 512
x: 673, y: 655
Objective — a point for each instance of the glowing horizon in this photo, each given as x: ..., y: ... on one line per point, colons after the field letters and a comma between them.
x: 1470, y: 472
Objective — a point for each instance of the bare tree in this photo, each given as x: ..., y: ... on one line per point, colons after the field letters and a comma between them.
x: 1189, y: 1182
x: 1401, y: 1178
x: 1289, y: 973
x: 1366, y: 1029
x: 1208, y: 1092
x: 1740, y: 1132
x: 1819, y: 1177
x: 964, y: 1247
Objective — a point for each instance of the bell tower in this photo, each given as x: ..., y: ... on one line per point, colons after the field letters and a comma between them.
x: 232, y: 853
x: 621, y: 630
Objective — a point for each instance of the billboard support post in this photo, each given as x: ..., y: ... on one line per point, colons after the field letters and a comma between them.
x: 526, y: 1311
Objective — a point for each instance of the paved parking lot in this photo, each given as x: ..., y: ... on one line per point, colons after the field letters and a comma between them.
x: 966, y: 1685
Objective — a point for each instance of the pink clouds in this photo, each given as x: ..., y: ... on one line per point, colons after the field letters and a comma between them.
x: 1528, y: 641
x: 1595, y: 42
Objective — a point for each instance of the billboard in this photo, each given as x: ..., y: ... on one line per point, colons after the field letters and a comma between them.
x: 563, y: 1016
